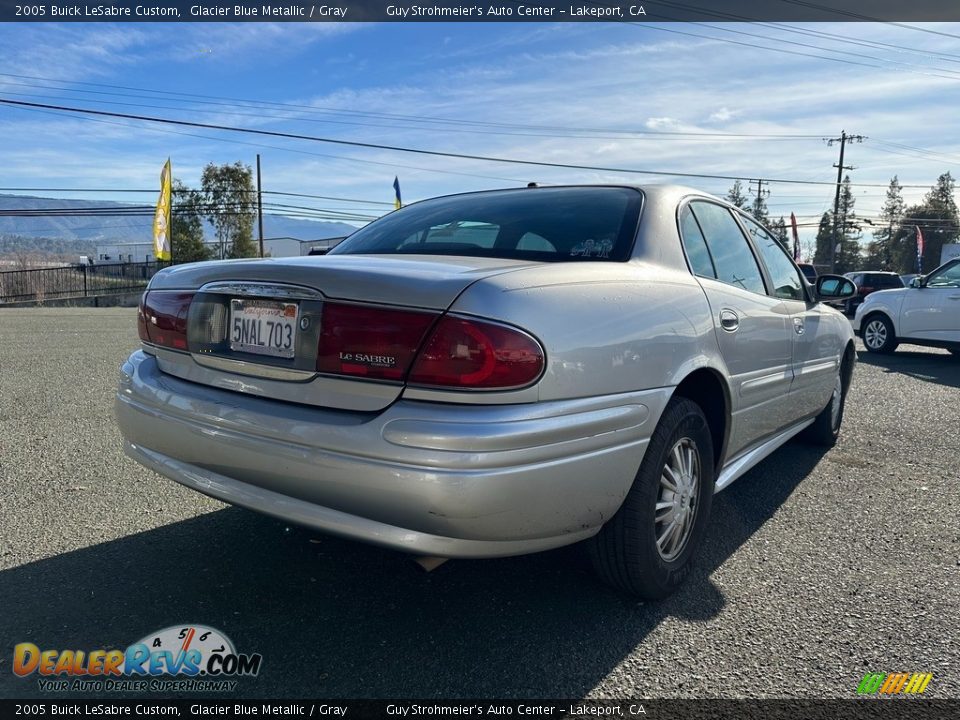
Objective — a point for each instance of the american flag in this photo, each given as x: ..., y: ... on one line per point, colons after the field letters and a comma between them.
x: 919, y: 249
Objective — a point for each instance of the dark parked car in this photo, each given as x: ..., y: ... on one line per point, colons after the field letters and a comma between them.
x: 868, y: 282
x: 809, y: 272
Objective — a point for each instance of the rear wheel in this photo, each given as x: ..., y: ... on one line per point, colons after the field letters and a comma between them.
x: 878, y: 335
x: 826, y: 428
x: 647, y: 547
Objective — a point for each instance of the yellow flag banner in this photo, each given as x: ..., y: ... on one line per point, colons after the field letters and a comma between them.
x: 161, y: 218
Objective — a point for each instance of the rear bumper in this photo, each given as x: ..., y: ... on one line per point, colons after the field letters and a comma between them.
x: 428, y: 478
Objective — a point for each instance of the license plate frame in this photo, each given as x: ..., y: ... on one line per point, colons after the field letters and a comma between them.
x: 264, y: 327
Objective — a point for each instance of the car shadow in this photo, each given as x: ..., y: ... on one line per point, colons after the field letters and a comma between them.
x: 339, y: 619
x: 930, y: 366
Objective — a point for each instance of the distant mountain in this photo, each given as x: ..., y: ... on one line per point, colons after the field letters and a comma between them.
x: 99, y: 229
x: 21, y: 245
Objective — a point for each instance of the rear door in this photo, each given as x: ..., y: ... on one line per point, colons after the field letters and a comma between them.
x: 752, y: 328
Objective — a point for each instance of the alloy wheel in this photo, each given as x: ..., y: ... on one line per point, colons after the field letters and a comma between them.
x: 875, y: 334
x: 676, y: 507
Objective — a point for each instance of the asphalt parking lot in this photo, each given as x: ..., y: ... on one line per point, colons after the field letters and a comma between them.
x: 817, y: 567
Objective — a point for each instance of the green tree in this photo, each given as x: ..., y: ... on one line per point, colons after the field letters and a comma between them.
x: 736, y: 196
x: 186, y: 225
x: 941, y: 220
x: 758, y: 208
x: 779, y: 229
x: 824, y: 241
x: 936, y: 217
x: 229, y: 203
x: 880, y: 252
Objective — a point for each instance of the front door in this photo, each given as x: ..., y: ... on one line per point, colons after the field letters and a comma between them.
x: 817, y: 347
x: 932, y: 312
x: 752, y: 328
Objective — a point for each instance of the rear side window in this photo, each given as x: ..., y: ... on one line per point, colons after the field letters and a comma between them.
x: 695, y: 245
x: 551, y: 224
x: 731, y: 254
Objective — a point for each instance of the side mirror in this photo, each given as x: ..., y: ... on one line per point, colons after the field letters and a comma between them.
x: 835, y: 287
x: 916, y: 282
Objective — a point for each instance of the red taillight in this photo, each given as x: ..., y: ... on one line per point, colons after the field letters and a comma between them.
x: 375, y: 343
x: 142, y: 319
x: 465, y: 353
x: 163, y: 318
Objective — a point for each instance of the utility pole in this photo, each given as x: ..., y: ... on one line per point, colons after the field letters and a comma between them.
x: 837, y: 237
x: 761, y: 193
x: 259, y: 205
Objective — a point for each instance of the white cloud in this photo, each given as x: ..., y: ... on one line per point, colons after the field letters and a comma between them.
x: 722, y: 115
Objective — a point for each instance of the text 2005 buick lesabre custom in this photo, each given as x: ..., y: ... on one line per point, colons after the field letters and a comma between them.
x: 495, y: 373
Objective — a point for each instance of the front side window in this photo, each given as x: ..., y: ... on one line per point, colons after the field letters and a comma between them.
x: 732, y: 257
x: 550, y: 224
x: 785, y: 276
x: 947, y: 277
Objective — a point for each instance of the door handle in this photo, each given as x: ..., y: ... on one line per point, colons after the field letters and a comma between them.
x: 798, y: 326
x: 729, y: 320
x: 954, y: 297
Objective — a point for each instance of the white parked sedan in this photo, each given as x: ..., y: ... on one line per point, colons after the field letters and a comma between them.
x: 495, y: 373
x: 926, y: 313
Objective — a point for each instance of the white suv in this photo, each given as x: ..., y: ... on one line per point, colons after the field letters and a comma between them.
x: 925, y: 313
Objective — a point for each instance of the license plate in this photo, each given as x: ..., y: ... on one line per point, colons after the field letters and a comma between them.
x: 264, y: 327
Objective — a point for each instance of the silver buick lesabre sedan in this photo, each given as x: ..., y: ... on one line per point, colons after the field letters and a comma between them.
x: 495, y: 373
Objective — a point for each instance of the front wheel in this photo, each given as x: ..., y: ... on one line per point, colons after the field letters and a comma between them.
x: 878, y: 335
x: 647, y: 548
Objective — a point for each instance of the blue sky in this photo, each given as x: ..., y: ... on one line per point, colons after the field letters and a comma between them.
x: 555, y: 92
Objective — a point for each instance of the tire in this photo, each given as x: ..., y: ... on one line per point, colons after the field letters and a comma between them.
x: 626, y: 553
x: 826, y: 428
x: 878, y: 335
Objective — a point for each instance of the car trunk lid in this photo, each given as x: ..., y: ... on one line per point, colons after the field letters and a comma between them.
x: 257, y: 326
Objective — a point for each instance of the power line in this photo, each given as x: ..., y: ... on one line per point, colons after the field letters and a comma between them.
x: 211, y: 100
x: 783, y: 49
x: 154, y: 190
x: 580, y: 134
x: 398, y: 148
x: 811, y: 33
x: 858, y: 16
x: 404, y: 166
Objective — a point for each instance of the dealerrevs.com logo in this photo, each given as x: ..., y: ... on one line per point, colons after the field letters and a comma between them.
x: 177, y: 658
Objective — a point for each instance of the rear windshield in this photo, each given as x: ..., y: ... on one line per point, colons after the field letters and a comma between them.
x: 888, y: 281
x: 550, y: 224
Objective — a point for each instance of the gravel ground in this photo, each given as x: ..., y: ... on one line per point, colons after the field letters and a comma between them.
x: 817, y: 567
